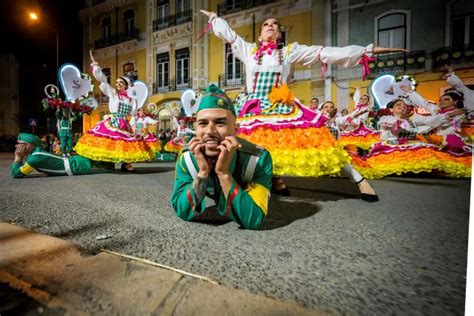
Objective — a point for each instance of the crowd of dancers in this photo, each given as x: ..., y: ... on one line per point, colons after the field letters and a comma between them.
x: 239, y: 150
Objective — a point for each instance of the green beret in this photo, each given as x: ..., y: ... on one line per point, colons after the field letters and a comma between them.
x: 215, y: 98
x: 30, y: 138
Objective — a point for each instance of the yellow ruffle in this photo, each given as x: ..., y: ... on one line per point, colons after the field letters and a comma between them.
x: 105, y: 149
x: 172, y: 147
x: 310, y: 152
x: 416, y: 161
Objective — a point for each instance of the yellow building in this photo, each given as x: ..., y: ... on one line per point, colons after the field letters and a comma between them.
x: 116, y: 32
x: 164, y: 50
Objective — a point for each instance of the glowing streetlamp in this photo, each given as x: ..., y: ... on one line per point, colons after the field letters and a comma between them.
x: 35, y: 17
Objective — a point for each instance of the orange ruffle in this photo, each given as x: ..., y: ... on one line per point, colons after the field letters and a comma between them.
x: 301, y: 152
x: 106, y: 149
x: 419, y: 160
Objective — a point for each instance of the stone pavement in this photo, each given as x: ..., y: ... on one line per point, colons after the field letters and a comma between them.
x: 64, y: 280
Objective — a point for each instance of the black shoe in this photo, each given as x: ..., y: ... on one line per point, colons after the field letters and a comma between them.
x: 123, y: 168
x: 369, y: 197
x: 282, y: 192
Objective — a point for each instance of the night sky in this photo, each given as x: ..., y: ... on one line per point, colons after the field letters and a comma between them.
x: 34, y: 46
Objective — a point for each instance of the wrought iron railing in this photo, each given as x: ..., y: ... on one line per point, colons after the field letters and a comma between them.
x: 228, y: 7
x: 398, y: 63
x: 226, y: 80
x: 172, y: 85
x: 453, y: 56
x: 172, y: 20
x: 116, y: 39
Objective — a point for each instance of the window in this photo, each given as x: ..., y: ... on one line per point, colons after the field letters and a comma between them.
x: 163, y: 17
x: 162, y: 70
x: 128, y: 67
x: 106, y: 28
x: 462, y: 31
x: 234, y: 67
x: 183, y: 12
x: 392, y: 30
x: 233, y: 5
x: 164, y: 116
x: 129, y: 22
x: 182, y: 67
x: 106, y: 72
x: 182, y: 5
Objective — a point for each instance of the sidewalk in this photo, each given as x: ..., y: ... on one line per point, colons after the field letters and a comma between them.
x: 54, y: 273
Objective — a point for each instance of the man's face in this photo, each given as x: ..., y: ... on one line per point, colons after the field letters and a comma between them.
x: 212, y: 126
x: 446, y: 101
x: 314, y: 103
x: 24, y: 148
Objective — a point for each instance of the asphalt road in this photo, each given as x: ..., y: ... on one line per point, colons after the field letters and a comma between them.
x: 322, y: 247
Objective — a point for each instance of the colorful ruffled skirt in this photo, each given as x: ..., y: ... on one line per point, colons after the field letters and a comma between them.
x: 104, y: 142
x: 362, y: 137
x: 297, y: 140
x: 175, y: 145
x: 388, y: 159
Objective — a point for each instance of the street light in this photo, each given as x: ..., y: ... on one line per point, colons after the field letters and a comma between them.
x: 35, y: 17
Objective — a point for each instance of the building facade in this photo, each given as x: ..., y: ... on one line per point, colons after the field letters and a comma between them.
x: 162, y: 45
x: 435, y: 37
x: 163, y: 41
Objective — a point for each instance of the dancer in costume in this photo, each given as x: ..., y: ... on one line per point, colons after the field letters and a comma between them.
x: 65, y: 117
x: 450, y: 104
x: 354, y: 128
x: 183, y: 136
x: 29, y: 157
x: 403, y: 149
x: 271, y: 117
x: 467, y: 127
x: 219, y: 171
x: 140, y: 127
x: 112, y: 139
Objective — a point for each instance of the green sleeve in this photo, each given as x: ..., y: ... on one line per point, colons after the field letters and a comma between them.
x: 59, y: 115
x: 183, y: 199
x: 15, y: 169
x: 249, y: 207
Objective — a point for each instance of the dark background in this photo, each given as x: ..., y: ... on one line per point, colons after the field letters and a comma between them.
x: 34, y: 46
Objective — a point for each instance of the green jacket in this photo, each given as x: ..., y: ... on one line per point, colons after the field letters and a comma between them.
x: 247, y: 202
x: 50, y: 164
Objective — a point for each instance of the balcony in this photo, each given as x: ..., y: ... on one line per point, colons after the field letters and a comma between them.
x: 229, y: 7
x: 172, y: 20
x: 171, y: 85
x: 117, y: 39
x: 453, y: 56
x: 228, y: 80
x: 398, y: 63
